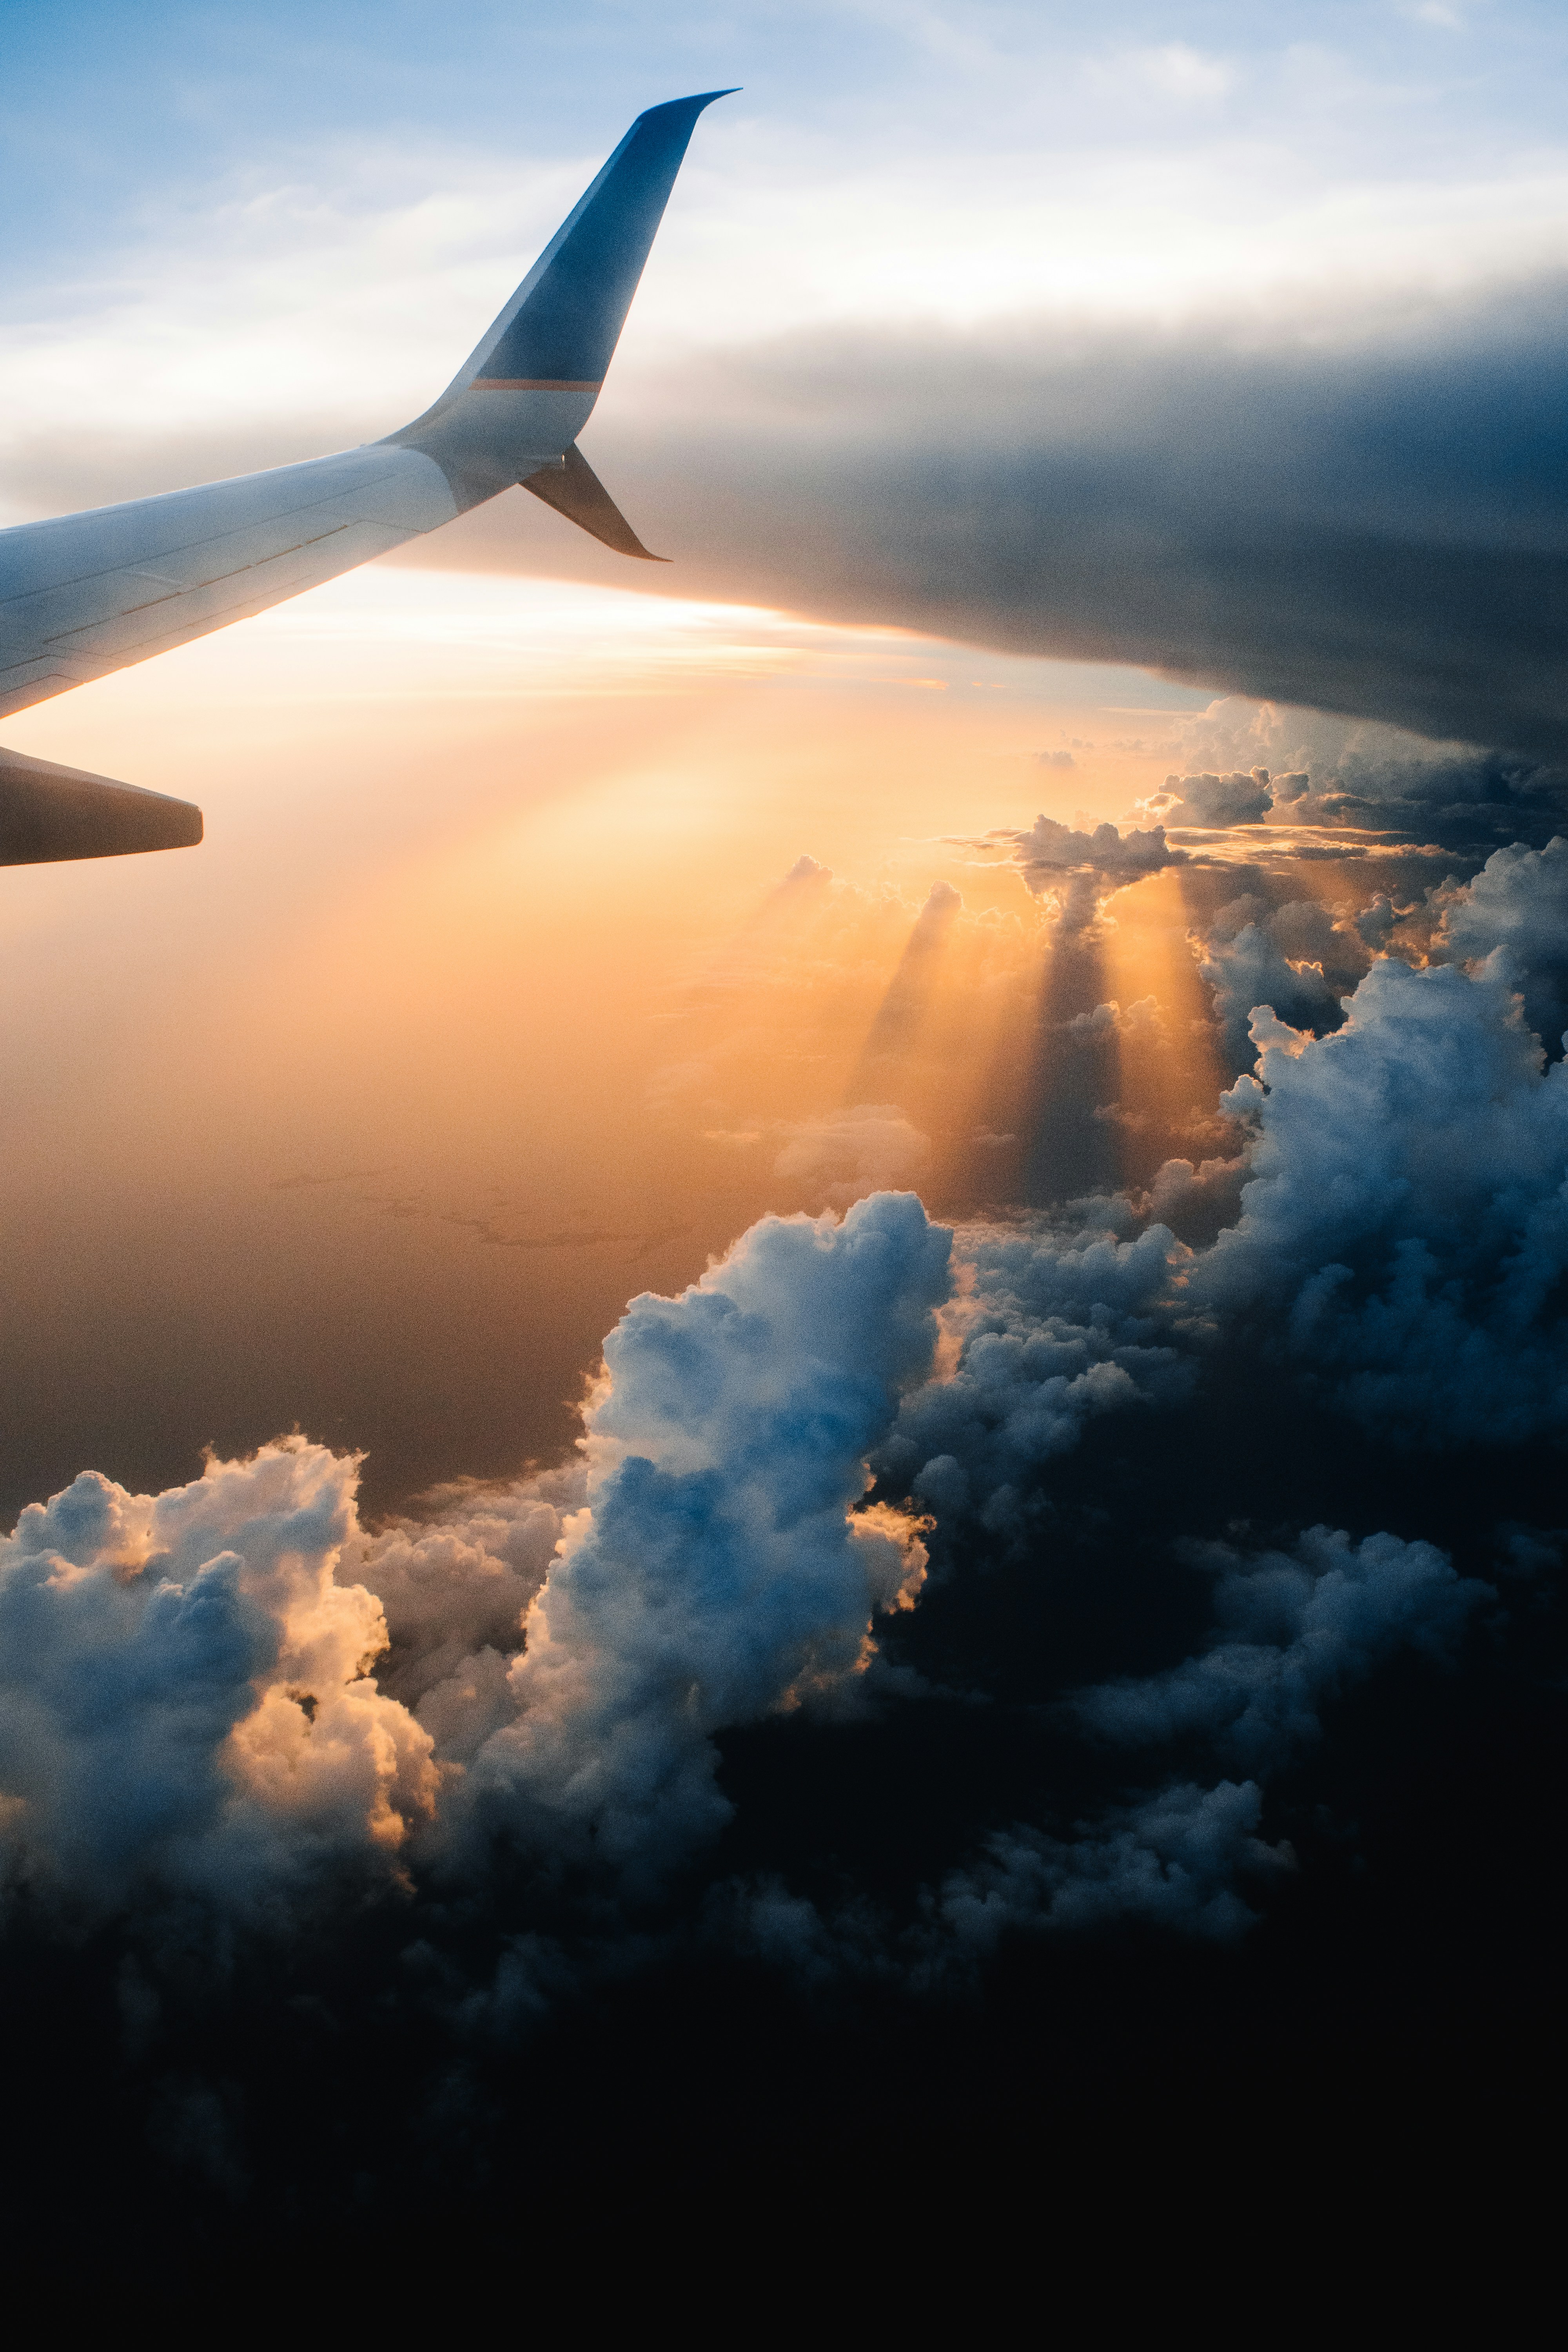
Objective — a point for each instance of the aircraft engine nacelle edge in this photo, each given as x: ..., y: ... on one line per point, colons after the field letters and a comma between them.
x: 49, y: 813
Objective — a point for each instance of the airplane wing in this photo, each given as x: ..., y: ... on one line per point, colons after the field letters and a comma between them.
x: 48, y: 813
x: 87, y: 593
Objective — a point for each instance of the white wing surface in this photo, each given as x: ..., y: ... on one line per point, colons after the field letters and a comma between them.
x: 87, y: 593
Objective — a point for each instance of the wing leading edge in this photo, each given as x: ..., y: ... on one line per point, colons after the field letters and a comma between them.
x: 89, y: 593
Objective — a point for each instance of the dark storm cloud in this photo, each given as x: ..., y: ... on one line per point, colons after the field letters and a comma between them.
x: 1366, y: 523
x: 1359, y: 517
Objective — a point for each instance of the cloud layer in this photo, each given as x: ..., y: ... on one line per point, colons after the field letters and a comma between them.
x: 190, y: 1708
x: 233, y: 1698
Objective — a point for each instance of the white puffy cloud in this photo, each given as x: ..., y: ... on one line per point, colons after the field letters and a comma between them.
x: 184, y: 1700
x: 1396, y: 1226
x: 232, y: 1691
x: 1051, y: 1328
x: 1512, y: 918
x: 720, y: 1572
x: 1405, y: 1223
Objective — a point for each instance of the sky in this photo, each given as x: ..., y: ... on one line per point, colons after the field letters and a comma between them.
x: 799, y: 1320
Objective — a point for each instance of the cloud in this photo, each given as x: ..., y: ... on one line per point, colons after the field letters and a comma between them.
x: 843, y: 1155
x: 1180, y: 1861
x: 1359, y: 775
x: 1175, y: 71
x: 1395, y: 1229
x: 1309, y: 509
x: 1078, y: 869
x: 454, y: 1586
x: 1405, y: 1218
x: 1307, y: 453
x: 1305, y: 510
x: 234, y: 1693
x: 1295, y: 957
x: 1294, y: 1632
x: 1210, y: 799
x: 187, y: 1705
x: 1142, y: 1019
x: 1511, y: 920
x: 1049, y: 850
x: 720, y: 1572
x: 1295, y: 1629
x: 184, y: 1702
x: 1053, y: 1329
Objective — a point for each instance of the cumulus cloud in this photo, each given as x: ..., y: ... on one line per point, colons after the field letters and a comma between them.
x: 232, y: 1692
x: 720, y: 1572
x: 1395, y: 1226
x: 1076, y: 869
x: 1355, y: 775
x: 1053, y: 1328
x: 1297, y: 959
x: 1181, y: 1860
x: 187, y: 1705
x: 1210, y: 799
x: 1512, y: 921
x: 1143, y: 1018
x: 1048, y: 850
x: 184, y: 1704
x: 1294, y: 1630
x: 454, y: 1586
x: 1405, y: 1218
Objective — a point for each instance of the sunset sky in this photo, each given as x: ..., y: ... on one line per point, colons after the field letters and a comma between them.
x: 1150, y: 418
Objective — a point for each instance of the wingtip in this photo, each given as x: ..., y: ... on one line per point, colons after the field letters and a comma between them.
x: 698, y: 99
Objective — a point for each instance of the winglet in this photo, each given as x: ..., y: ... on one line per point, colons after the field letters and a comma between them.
x: 561, y: 329
x: 49, y: 813
x: 574, y: 490
x: 523, y: 395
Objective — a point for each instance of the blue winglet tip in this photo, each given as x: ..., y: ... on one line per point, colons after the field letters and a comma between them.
x: 698, y: 100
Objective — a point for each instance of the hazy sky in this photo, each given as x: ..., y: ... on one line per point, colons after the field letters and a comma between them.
x: 1064, y: 425
x: 276, y: 216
